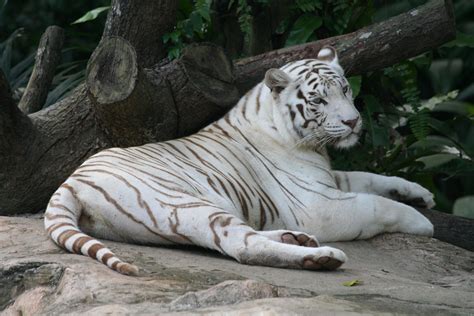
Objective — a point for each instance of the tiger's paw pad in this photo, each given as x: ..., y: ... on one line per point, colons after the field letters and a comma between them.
x: 299, y: 239
x: 327, y: 258
x: 322, y: 263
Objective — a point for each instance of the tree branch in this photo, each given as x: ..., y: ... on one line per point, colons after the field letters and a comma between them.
x: 370, y: 48
x: 47, y: 59
x: 455, y: 230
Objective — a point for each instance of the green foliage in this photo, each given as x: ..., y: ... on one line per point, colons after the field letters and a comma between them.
x: 191, y: 28
x: 18, y: 48
x: 406, y: 74
x: 16, y: 74
x: 309, y: 5
x: 244, y: 13
x: 356, y: 83
x: 91, y: 15
x: 462, y: 40
x: 303, y: 28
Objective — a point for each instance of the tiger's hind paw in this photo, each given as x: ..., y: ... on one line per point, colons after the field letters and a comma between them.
x: 299, y: 239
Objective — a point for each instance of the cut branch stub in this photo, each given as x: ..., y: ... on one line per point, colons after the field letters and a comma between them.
x: 203, y: 85
x: 132, y: 106
x: 112, y: 71
x: 47, y: 59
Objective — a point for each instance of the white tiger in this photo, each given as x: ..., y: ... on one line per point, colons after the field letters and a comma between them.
x: 256, y: 185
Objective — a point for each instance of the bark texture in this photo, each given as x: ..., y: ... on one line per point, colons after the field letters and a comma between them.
x: 52, y: 143
x: 143, y: 23
x: 130, y: 99
x: 47, y: 59
x: 134, y: 106
x: 455, y: 230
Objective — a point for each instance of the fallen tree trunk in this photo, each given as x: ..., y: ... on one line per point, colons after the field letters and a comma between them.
x: 181, y: 95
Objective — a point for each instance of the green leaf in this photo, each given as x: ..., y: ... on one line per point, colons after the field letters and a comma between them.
x: 355, y: 82
x: 457, y: 167
x: 436, y: 160
x: 166, y: 38
x: 6, y: 48
x: 462, y: 40
x: 203, y: 7
x: 309, y: 5
x: 303, y: 28
x: 64, y: 87
x: 353, y: 283
x: 2, y: 7
x: 174, y: 52
x: 432, y: 142
x: 91, y: 15
x: 175, y: 36
x: 419, y: 123
x: 455, y: 107
x: 464, y: 207
x: 196, y: 21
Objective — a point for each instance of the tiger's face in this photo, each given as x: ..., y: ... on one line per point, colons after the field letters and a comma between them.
x: 316, y: 100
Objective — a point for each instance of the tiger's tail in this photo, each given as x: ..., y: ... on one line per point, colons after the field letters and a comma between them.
x: 61, y: 223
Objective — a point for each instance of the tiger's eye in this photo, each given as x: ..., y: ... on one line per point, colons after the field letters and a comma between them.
x: 318, y: 100
x: 345, y: 89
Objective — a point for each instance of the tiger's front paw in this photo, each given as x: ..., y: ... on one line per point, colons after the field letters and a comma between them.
x: 325, y: 258
x: 413, y: 222
x: 413, y: 194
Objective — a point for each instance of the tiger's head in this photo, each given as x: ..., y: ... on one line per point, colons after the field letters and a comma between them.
x: 315, y: 100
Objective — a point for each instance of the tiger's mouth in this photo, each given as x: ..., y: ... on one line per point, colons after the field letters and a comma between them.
x: 348, y: 134
x: 348, y: 140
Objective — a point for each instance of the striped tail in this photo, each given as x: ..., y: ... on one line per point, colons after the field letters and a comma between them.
x: 60, y: 220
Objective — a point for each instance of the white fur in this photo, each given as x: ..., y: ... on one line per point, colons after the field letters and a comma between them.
x: 191, y: 190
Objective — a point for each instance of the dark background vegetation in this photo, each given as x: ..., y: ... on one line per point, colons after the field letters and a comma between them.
x: 418, y: 114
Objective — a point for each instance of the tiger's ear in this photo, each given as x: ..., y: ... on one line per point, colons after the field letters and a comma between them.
x: 276, y: 80
x: 329, y: 55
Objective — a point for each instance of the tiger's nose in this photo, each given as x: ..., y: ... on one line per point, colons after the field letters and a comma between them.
x: 351, y: 123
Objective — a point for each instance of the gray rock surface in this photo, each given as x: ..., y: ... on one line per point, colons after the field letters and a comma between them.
x: 400, y: 274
